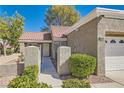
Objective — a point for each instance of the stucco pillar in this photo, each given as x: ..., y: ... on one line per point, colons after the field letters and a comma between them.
x: 41, y: 51
x: 53, y: 51
x: 100, y: 50
x: 63, y: 54
x: 32, y: 56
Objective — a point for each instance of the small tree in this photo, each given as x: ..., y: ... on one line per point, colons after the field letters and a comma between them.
x: 16, y: 27
x: 10, y: 30
x: 61, y: 15
x: 4, y: 33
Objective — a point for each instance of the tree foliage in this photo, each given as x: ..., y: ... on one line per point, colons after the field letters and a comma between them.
x: 61, y: 15
x: 16, y: 27
x: 11, y: 27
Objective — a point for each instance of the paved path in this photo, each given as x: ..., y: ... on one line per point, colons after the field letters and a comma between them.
x: 48, y: 73
x: 107, y: 85
x: 117, y: 76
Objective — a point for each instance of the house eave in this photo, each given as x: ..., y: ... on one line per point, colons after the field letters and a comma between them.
x: 97, y: 12
x: 59, y: 39
x: 35, y: 41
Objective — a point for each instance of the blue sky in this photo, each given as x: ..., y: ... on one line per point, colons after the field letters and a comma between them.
x: 34, y: 14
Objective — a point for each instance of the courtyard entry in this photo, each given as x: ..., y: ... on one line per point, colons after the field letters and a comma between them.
x: 48, y: 73
x: 46, y: 49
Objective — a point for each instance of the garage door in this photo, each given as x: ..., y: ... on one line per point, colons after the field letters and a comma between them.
x: 114, y: 50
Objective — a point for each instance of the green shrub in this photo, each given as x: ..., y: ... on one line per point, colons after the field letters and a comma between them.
x: 31, y: 72
x: 26, y: 82
x: 28, y: 79
x: 75, y: 83
x: 82, y: 65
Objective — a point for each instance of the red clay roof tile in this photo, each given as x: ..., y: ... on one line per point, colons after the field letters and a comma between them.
x: 59, y: 31
x: 35, y: 36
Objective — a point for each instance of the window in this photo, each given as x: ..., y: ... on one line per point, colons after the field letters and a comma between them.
x: 112, y: 41
x: 121, y: 41
x: 63, y: 43
x: 105, y: 41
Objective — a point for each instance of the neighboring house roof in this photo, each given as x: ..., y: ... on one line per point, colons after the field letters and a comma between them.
x: 59, y: 31
x: 35, y: 36
x: 112, y: 13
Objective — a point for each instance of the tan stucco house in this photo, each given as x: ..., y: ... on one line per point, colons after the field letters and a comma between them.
x: 100, y: 33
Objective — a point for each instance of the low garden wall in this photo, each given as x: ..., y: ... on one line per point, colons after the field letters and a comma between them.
x: 11, y: 69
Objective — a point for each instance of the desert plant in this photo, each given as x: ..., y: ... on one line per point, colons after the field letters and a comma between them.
x: 75, y: 83
x: 26, y: 82
x: 82, y: 65
x: 28, y: 79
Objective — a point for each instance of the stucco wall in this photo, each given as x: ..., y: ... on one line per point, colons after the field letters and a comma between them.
x: 112, y: 24
x: 84, y: 40
x: 11, y: 69
x: 55, y: 45
x: 88, y: 39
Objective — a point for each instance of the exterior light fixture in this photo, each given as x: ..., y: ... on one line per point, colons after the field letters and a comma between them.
x: 101, y: 38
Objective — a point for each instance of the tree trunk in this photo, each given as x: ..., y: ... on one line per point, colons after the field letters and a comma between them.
x: 4, y: 49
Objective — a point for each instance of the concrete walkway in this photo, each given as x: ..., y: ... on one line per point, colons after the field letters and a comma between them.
x: 107, y: 85
x: 48, y: 73
x: 117, y: 76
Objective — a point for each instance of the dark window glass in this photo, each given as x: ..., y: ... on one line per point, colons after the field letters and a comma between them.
x: 121, y: 41
x: 105, y: 41
x: 112, y: 41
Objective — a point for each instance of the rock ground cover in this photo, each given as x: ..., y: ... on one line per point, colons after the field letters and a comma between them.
x: 4, y: 81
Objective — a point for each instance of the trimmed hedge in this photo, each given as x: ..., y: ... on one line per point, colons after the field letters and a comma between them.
x: 28, y: 79
x: 75, y: 83
x: 82, y: 65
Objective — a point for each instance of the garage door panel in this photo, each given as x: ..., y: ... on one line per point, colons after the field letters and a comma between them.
x: 114, y: 63
x: 114, y: 50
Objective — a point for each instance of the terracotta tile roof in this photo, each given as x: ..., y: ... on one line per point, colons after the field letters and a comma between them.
x: 36, y: 36
x: 59, y: 31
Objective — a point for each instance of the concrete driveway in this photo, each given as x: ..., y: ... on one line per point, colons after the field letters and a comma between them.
x: 117, y: 76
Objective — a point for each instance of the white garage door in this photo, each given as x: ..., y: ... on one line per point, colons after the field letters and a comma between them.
x: 114, y: 49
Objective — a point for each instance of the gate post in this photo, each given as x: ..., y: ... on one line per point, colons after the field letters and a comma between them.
x: 32, y: 56
x: 63, y: 54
